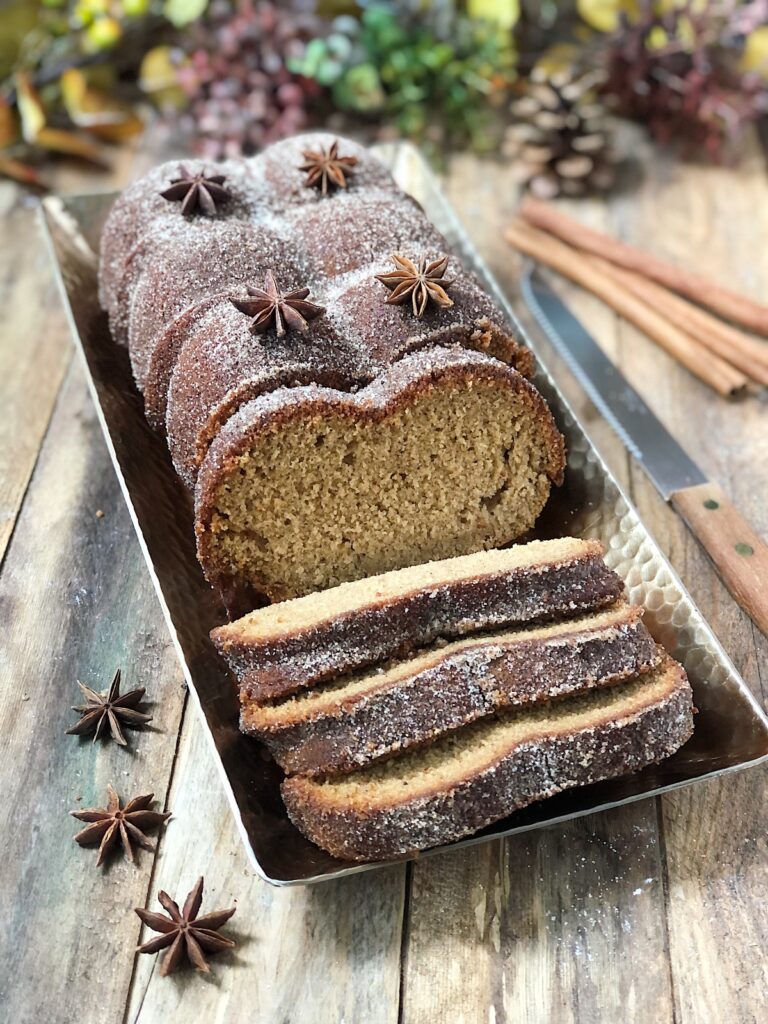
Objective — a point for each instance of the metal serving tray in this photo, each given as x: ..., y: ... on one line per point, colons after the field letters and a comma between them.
x: 731, y: 729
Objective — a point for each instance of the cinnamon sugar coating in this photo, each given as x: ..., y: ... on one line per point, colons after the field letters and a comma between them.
x: 222, y: 365
x: 360, y: 624
x: 282, y: 161
x: 491, y: 768
x: 140, y: 207
x: 407, y: 703
x: 226, y: 256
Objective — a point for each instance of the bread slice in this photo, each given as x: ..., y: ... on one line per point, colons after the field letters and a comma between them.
x: 347, y: 724
x: 277, y: 650
x: 483, y: 772
x: 447, y: 451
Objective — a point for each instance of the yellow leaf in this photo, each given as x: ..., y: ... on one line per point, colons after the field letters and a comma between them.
x: 70, y: 143
x: 9, y: 128
x: 95, y: 110
x: 604, y: 14
x: 755, y: 56
x: 30, y: 108
x: 36, y: 133
x: 158, y: 77
x: 504, y: 12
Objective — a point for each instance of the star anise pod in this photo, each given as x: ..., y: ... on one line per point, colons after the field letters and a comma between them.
x: 109, y: 709
x: 326, y: 169
x: 270, y: 308
x: 421, y: 283
x: 129, y: 822
x: 184, y: 931
x: 201, y: 191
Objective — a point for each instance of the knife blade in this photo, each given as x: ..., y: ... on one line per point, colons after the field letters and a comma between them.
x: 738, y: 553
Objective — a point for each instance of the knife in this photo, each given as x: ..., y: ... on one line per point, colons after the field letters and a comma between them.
x: 738, y: 554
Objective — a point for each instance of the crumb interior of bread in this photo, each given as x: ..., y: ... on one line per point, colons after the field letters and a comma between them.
x: 328, y: 697
x: 312, y: 609
x: 481, y: 744
x: 334, y: 498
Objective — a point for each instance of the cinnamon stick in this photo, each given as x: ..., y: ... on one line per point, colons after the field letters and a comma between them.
x: 745, y: 353
x: 709, y: 368
x: 731, y: 305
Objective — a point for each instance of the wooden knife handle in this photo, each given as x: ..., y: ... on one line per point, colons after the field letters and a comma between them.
x: 739, y: 555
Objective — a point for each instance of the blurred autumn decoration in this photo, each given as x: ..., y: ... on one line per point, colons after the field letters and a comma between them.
x: 78, y: 77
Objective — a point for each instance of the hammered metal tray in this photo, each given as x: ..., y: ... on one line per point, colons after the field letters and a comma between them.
x: 731, y: 729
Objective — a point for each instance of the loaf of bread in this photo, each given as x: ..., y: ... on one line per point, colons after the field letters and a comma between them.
x: 362, y: 718
x: 277, y: 650
x: 485, y: 771
x: 335, y: 418
x: 447, y: 452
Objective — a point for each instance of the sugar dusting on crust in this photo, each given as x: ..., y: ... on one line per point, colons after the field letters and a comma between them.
x: 360, y: 719
x: 606, y: 735
x: 140, y: 208
x: 157, y: 264
x: 543, y: 589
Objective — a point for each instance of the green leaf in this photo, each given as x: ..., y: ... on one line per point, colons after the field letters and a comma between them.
x: 183, y: 12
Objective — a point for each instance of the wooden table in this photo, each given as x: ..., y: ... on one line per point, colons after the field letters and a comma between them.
x: 652, y: 913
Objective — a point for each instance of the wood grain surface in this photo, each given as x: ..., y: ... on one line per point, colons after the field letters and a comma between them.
x: 651, y: 913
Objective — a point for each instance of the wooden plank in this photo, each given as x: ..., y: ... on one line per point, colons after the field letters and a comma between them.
x: 34, y: 351
x: 546, y: 927
x: 324, y: 953
x: 77, y: 602
x: 34, y: 335
x: 714, y: 840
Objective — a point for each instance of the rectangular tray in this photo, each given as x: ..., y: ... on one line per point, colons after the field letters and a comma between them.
x: 731, y: 729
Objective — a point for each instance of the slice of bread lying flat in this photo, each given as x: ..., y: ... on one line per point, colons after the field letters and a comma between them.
x: 344, y: 725
x: 280, y: 649
x: 483, y: 772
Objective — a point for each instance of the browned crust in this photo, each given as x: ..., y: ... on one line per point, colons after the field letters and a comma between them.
x: 163, y: 360
x: 403, y: 384
x: 460, y: 688
x: 527, y: 772
x: 393, y: 628
x: 482, y: 336
x: 187, y: 459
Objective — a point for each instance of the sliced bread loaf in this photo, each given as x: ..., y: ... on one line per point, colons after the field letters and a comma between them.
x: 347, y: 724
x: 277, y: 650
x: 446, y: 452
x: 483, y: 772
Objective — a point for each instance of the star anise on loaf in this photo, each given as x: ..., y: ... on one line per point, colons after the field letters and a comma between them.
x: 420, y: 283
x: 108, y: 823
x: 201, y: 191
x: 109, y: 710
x: 326, y: 169
x: 184, y: 931
x: 271, y: 308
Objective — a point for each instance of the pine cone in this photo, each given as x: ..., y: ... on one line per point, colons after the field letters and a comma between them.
x: 562, y: 139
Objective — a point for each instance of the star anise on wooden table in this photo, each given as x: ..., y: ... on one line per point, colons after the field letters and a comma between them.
x: 270, y: 308
x: 129, y: 822
x: 109, y: 710
x: 185, y: 932
x: 201, y: 191
x: 420, y: 283
x: 326, y: 169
